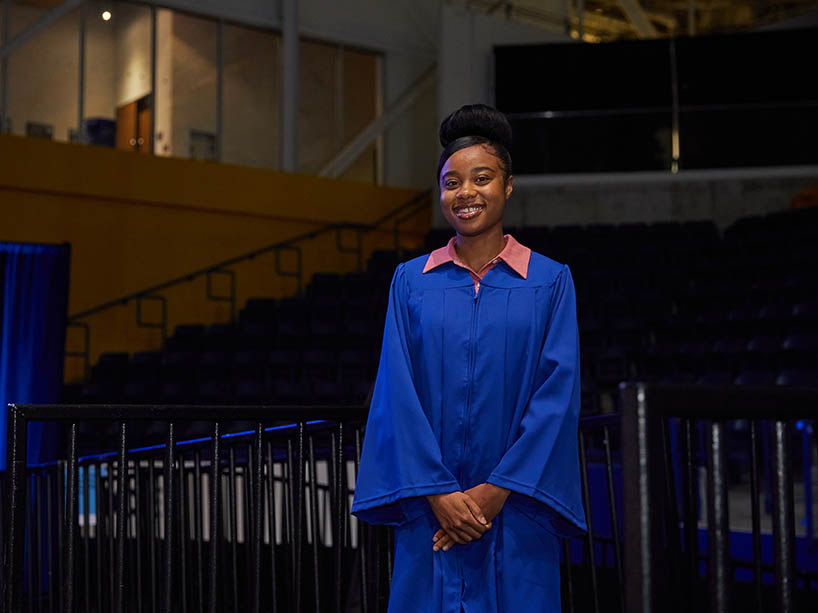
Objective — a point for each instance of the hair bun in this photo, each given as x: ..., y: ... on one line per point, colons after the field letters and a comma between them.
x: 476, y: 120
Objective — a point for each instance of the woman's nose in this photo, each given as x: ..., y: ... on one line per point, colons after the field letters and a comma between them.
x: 466, y: 190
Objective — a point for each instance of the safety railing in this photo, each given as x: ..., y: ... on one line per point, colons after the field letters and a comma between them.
x: 294, y: 245
x: 681, y: 554
x: 221, y: 515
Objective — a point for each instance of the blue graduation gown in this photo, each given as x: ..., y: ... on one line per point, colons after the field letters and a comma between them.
x: 474, y: 388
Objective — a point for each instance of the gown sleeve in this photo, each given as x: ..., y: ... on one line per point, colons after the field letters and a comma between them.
x: 542, y: 464
x: 401, y: 459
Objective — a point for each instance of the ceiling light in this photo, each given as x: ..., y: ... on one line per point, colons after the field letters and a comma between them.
x: 106, y: 15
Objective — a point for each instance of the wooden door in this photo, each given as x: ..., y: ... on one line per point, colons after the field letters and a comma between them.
x: 126, y: 131
x: 143, y: 132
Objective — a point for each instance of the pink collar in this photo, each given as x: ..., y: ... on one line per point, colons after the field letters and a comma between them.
x: 514, y: 254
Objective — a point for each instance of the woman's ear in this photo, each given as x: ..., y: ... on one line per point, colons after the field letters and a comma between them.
x: 509, y: 186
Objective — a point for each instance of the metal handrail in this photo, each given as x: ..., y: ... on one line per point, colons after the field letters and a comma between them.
x: 400, y: 215
x: 414, y: 203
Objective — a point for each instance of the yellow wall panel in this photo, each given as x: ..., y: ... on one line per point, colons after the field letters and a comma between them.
x: 135, y: 221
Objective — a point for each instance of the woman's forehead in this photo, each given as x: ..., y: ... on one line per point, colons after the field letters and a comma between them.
x: 469, y: 158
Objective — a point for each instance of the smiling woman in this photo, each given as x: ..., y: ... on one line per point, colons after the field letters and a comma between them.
x: 471, y: 442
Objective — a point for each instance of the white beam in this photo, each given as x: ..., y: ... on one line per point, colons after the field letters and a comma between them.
x: 46, y: 20
x: 347, y: 156
x: 636, y: 15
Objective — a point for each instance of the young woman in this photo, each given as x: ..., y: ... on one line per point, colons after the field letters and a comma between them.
x: 471, y: 442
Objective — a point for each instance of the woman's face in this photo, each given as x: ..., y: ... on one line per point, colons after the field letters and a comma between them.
x: 473, y: 190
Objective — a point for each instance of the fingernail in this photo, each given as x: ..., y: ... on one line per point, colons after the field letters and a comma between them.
x: 434, y: 538
x: 446, y: 548
x: 435, y: 548
x: 483, y: 519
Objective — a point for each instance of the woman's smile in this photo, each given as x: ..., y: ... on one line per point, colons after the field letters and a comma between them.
x: 468, y: 211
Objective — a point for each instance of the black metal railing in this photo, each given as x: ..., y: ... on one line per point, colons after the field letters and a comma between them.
x: 397, y: 217
x: 248, y: 508
x: 665, y: 569
x: 272, y: 532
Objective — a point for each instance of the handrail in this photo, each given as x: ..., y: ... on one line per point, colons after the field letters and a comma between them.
x: 415, y: 204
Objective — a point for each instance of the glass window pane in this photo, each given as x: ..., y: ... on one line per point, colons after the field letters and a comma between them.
x: 250, y: 95
x: 118, y: 101
x: 186, y: 84
x: 318, y: 126
x: 43, y: 75
x: 592, y: 143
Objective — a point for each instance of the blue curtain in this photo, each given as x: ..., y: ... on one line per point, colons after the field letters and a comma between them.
x: 33, y: 314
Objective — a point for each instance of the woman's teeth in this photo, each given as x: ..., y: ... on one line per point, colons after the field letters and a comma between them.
x: 468, y: 212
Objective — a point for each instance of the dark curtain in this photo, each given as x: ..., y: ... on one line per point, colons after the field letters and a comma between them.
x: 33, y: 314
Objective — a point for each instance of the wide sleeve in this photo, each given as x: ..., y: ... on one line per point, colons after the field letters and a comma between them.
x: 542, y: 464
x: 401, y: 458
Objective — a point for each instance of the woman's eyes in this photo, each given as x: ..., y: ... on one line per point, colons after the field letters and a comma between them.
x: 452, y: 183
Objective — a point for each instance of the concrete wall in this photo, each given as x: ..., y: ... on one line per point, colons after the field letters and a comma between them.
x: 720, y: 195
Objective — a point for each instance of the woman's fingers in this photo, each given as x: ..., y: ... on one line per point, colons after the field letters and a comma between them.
x: 476, y: 512
x: 444, y: 543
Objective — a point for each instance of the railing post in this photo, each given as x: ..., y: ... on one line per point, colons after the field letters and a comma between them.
x: 718, y: 528
x: 642, y: 465
x: 14, y: 554
x: 783, y: 518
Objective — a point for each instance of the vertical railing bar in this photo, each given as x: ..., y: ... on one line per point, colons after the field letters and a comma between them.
x: 583, y: 462
x: 675, y: 546
x: 214, y: 507
x: 299, y: 518
x: 231, y: 515
x: 606, y: 439
x: 86, y: 537
x: 36, y: 581
x: 314, y: 522
x: 690, y: 496
x: 340, y: 507
x: 272, y: 526
x: 258, y: 517
x: 59, y: 559
x: 292, y: 489
x: 49, y: 535
x: 198, y: 527
x: 755, y: 513
x: 98, y: 530
x: 153, y: 530
x: 362, y: 531
x: 183, y: 533
x: 138, y: 534
x: 170, y: 448
x: 71, y: 520
x: 14, y: 554
x: 783, y: 519
x: 121, y: 519
x: 248, y: 503
x: 718, y: 520
x: 29, y: 573
x: 111, y: 566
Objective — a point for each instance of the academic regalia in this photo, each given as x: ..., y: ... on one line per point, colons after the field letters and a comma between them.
x: 476, y: 387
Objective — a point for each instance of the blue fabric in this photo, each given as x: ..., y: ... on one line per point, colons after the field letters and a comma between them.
x: 33, y: 306
x: 473, y: 388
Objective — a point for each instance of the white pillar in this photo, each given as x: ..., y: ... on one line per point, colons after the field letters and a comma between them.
x: 289, y: 103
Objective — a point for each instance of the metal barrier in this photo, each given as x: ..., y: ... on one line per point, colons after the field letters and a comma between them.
x: 253, y: 518
x: 662, y: 559
x: 258, y: 517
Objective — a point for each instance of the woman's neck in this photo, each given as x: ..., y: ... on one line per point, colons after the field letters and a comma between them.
x: 477, y: 251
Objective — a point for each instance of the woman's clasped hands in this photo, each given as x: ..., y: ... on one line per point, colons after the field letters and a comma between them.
x: 465, y: 516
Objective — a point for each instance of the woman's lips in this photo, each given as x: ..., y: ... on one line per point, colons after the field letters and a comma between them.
x: 468, y: 212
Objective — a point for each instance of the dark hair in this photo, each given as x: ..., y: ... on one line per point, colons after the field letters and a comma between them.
x: 476, y: 124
